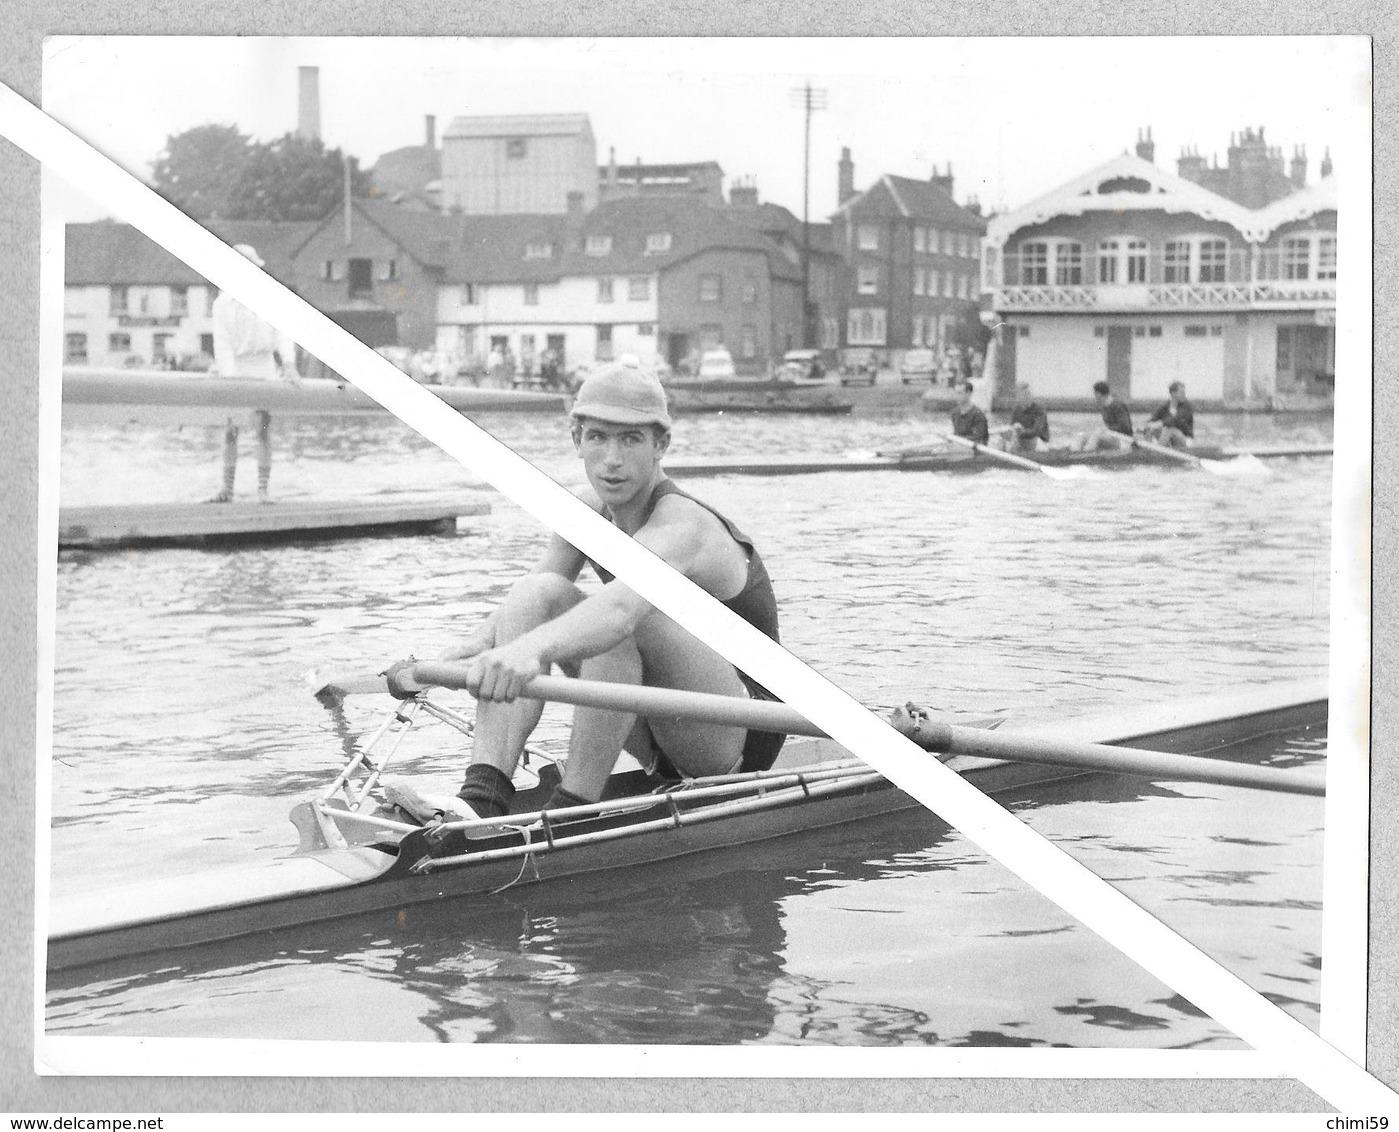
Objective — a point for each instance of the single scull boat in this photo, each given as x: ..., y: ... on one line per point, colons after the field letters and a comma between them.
x: 354, y: 857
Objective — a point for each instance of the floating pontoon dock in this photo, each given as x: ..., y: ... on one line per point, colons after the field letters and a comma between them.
x: 205, y: 524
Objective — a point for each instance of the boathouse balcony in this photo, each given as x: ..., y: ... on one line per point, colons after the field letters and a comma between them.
x: 1240, y: 280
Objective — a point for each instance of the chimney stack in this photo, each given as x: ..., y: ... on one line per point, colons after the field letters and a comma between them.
x: 308, y: 117
x: 1298, y: 172
x: 943, y: 180
x: 1146, y: 148
x: 1326, y: 162
x: 744, y: 193
x: 846, y: 181
x: 431, y: 131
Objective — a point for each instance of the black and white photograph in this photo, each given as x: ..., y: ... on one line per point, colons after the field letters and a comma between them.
x: 705, y: 557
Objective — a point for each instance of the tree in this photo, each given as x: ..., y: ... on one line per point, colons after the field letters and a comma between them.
x: 293, y: 179
x: 216, y: 173
x: 197, y: 169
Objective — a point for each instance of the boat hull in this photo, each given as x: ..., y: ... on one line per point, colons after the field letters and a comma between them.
x: 329, y: 884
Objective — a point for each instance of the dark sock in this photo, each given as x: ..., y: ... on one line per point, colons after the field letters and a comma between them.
x: 561, y: 799
x: 486, y: 790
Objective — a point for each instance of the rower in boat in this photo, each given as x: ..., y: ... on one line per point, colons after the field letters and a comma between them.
x: 1116, y: 430
x: 968, y: 421
x: 1173, y: 424
x: 621, y: 429
x: 1028, y: 430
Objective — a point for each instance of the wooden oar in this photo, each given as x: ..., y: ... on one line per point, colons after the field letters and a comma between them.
x: 408, y: 678
x: 1012, y: 459
x: 1215, y: 466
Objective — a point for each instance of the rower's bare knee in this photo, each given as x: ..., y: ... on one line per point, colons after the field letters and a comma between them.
x: 533, y: 600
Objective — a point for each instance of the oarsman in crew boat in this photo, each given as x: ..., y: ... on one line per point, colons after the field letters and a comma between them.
x: 621, y: 429
x: 245, y: 346
x: 1174, y: 422
x: 1028, y: 430
x: 968, y: 421
x: 1116, y: 430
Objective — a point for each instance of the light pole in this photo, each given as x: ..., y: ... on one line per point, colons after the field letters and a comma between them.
x: 809, y: 98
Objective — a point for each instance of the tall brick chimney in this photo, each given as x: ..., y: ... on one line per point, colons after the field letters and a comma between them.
x: 431, y: 132
x: 1325, y: 169
x: 308, y: 110
x: 943, y: 180
x: 846, y: 181
x: 1297, y: 174
x: 744, y: 193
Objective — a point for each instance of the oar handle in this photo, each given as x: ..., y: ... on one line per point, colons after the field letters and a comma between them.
x: 944, y: 738
x: 994, y: 453
x: 410, y: 677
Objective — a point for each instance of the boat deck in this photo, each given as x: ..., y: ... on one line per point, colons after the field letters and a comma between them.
x: 200, y: 524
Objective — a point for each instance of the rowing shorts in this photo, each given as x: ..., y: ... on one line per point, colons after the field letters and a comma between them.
x: 760, y: 748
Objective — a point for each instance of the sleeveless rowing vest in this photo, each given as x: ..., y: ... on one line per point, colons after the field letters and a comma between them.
x: 755, y: 603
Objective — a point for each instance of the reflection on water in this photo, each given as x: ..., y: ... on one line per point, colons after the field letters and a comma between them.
x: 183, y: 732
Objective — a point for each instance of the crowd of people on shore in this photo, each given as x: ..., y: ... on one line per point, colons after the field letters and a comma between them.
x: 1171, y: 425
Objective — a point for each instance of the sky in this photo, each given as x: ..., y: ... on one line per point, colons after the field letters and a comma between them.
x: 1013, y: 117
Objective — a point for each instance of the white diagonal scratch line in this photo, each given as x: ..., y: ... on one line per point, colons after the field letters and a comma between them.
x: 1270, y: 1030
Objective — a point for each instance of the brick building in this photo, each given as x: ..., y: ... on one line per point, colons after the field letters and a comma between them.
x: 912, y: 261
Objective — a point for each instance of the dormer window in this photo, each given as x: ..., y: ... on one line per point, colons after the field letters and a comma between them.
x: 657, y: 242
x: 515, y: 147
x: 539, y: 249
x: 598, y: 245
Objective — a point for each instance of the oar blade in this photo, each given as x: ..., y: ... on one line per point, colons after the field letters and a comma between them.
x: 331, y: 690
x: 1240, y: 467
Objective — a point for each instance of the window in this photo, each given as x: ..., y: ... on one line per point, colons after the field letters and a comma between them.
x: 1214, y: 261
x: 515, y: 148
x: 333, y: 271
x: 867, y: 280
x: 1175, y: 264
x: 947, y: 238
x: 179, y: 301
x: 933, y: 241
x: 865, y: 326
x: 1108, y: 251
x: 531, y: 294
x: 539, y: 249
x: 1024, y: 331
x: 933, y: 284
x: 947, y: 284
x: 1153, y: 332
x: 75, y: 348
x: 1068, y: 264
x: 206, y: 345
x: 118, y: 343
x: 711, y: 288
x: 598, y: 245
x: 1139, y: 332
x: 159, y: 344
x: 657, y: 242
x: 646, y: 329
x: 920, y: 281
x: 750, y: 290
x: 748, y: 341
x: 210, y: 294
x: 1296, y: 258
x: 1034, y: 263
x: 361, y: 276
x: 144, y: 302
x: 964, y: 286
x: 1326, y: 257
x: 388, y: 271
x: 920, y: 239
x: 1136, y: 261
x: 1099, y: 332
x: 867, y: 237
x: 1196, y: 331
x: 603, y: 353
x: 604, y: 290
x: 639, y: 288
x: 711, y: 336
x: 919, y: 329
x: 119, y: 299
x: 469, y: 295
x: 1216, y: 331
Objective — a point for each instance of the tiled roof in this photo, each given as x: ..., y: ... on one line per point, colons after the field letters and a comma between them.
x: 492, y: 248
x: 106, y: 252
x: 925, y: 201
x: 770, y: 217
x: 426, y: 236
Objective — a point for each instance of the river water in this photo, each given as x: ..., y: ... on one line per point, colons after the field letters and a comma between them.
x: 183, y: 732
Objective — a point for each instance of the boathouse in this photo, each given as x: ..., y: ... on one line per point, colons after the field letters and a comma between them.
x: 1140, y: 277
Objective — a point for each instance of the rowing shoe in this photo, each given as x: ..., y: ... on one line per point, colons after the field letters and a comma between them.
x: 407, y: 680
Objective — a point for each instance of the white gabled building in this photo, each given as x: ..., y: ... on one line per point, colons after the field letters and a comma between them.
x: 1133, y: 275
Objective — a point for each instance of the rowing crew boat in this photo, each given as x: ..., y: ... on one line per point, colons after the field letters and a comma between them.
x: 934, y: 458
x: 355, y: 856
